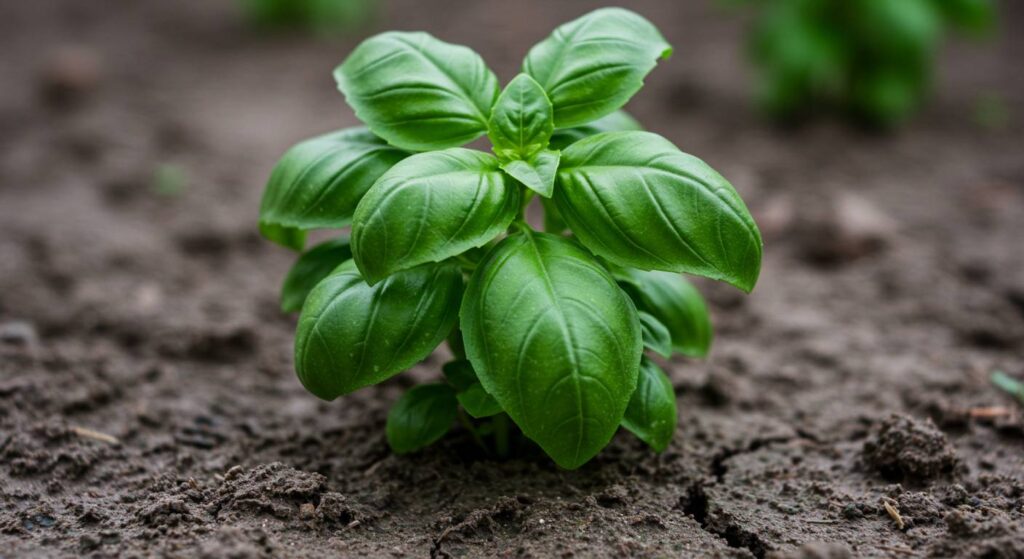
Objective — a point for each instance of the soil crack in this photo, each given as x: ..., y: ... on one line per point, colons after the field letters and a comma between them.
x: 719, y: 523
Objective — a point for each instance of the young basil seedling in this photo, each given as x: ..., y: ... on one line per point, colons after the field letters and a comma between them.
x: 548, y: 329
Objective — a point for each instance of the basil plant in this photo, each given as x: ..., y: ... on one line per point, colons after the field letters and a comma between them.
x: 548, y: 329
x: 870, y: 60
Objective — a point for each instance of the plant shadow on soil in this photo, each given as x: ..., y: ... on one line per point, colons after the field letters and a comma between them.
x: 147, y: 400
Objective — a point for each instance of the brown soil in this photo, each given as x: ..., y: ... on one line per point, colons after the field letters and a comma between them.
x: 147, y: 401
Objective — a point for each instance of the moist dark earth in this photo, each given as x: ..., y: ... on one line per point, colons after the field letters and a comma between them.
x: 148, y: 405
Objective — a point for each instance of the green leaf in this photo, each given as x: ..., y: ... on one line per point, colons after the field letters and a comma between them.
x: 288, y: 237
x: 554, y: 341
x: 421, y: 417
x: 318, y: 182
x: 619, y: 121
x: 636, y: 200
x: 895, y: 30
x: 460, y: 374
x: 417, y: 92
x: 478, y: 403
x: 553, y: 222
x: 314, y: 265
x: 651, y: 414
x: 592, y: 65
x: 521, y: 120
x: 676, y: 303
x: 537, y: 174
x: 975, y: 16
x: 656, y: 335
x: 352, y: 335
x: 430, y: 207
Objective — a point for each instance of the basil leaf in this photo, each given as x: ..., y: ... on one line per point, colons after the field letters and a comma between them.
x: 538, y: 174
x: 619, y: 121
x: 471, y: 394
x: 521, y: 120
x: 651, y: 414
x: 318, y: 182
x: 976, y: 16
x: 314, y: 265
x: 417, y: 92
x: 553, y: 222
x: 420, y: 417
x: 676, y: 303
x: 352, y: 335
x: 635, y: 199
x: 477, y: 402
x: 430, y: 207
x: 592, y: 65
x: 460, y: 374
x: 656, y: 335
x: 554, y: 341
x: 288, y: 237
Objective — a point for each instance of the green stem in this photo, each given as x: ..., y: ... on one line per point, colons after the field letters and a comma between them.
x: 501, y: 435
x: 468, y: 425
x: 1008, y: 384
x: 465, y: 262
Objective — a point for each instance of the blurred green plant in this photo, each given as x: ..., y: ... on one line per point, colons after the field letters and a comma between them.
x: 326, y: 17
x: 870, y: 60
x: 1008, y: 384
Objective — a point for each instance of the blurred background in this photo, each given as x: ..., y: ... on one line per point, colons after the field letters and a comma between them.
x: 877, y: 142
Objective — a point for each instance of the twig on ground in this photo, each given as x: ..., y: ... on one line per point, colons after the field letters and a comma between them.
x: 988, y: 412
x: 894, y: 513
x: 95, y: 435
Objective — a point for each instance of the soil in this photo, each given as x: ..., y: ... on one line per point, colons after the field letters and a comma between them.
x: 147, y: 401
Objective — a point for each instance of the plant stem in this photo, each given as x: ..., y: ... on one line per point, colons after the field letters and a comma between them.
x: 465, y: 262
x: 501, y: 432
x: 468, y: 425
x: 1008, y: 384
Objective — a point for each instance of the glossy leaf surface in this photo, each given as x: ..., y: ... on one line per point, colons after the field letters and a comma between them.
x: 319, y: 182
x: 521, y: 121
x: 619, y: 121
x: 553, y: 340
x: 635, y: 199
x: 537, y: 174
x: 288, y: 237
x: 592, y: 65
x: 421, y: 417
x: 477, y: 402
x: 352, y: 335
x: 651, y: 414
x: 314, y: 265
x: 417, y: 92
x: 471, y: 394
x: 676, y: 303
x: 430, y: 207
x: 656, y: 336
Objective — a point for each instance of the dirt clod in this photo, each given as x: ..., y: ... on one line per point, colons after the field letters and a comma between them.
x: 904, y: 448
